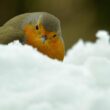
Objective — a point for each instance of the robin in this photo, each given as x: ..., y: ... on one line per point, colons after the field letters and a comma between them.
x: 41, y: 30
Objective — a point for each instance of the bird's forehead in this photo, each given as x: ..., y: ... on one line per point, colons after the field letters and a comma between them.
x: 50, y: 22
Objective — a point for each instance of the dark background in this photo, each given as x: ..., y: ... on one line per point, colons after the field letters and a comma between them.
x: 79, y: 18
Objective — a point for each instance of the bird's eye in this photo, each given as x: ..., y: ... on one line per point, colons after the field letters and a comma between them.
x: 37, y: 27
x: 54, y: 35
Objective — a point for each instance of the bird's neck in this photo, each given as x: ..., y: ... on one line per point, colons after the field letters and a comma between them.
x: 9, y: 34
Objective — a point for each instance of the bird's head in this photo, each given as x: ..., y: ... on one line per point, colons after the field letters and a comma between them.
x: 43, y: 32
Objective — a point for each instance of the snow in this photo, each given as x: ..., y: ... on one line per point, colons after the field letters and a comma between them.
x: 32, y: 81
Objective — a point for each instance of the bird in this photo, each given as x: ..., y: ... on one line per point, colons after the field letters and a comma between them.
x: 41, y: 30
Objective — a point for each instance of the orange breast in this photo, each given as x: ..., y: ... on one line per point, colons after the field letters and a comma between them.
x: 53, y: 48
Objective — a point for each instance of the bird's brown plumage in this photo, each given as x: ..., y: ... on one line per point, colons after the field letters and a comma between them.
x: 39, y: 29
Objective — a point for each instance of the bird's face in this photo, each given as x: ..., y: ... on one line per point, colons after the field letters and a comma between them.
x: 47, y: 42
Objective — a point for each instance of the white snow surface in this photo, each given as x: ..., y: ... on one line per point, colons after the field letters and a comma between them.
x: 32, y: 81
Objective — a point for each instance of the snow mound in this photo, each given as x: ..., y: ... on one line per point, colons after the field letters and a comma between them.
x: 32, y: 81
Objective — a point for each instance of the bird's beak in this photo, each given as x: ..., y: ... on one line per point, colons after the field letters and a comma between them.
x: 43, y: 38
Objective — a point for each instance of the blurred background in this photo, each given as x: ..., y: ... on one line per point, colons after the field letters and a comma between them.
x: 80, y: 19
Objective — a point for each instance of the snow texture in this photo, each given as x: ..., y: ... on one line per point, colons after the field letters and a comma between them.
x: 32, y: 81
